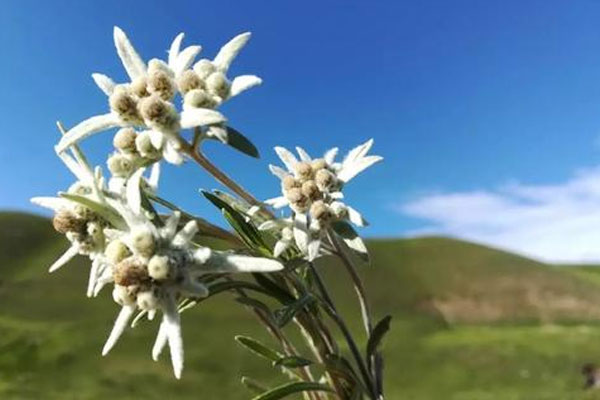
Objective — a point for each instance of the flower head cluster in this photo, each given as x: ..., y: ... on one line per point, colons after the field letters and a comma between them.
x: 312, y: 188
x: 146, y: 105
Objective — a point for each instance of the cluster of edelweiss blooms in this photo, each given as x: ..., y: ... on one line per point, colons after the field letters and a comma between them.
x: 152, y: 261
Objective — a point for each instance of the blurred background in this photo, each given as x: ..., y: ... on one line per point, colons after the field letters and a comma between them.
x: 485, y: 215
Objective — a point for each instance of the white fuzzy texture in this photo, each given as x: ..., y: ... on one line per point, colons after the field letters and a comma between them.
x: 242, y: 83
x: 104, y: 83
x: 231, y: 49
x: 87, y: 128
x: 119, y: 327
x: 193, y: 117
x: 133, y: 63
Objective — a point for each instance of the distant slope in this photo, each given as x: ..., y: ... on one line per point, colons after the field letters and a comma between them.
x: 465, y: 282
x: 51, y: 334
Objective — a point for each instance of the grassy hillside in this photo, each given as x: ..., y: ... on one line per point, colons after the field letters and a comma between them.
x: 466, y: 326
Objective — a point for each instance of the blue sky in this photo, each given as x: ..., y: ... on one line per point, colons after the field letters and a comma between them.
x: 462, y: 97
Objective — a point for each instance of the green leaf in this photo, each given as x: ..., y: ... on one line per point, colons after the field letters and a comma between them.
x: 352, y: 239
x: 253, y: 385
x: 284, y: 315
x: 290, y: 388
x: 274, y: 289
x: 241, y: 143
x: 258, y: 348
x: 292, y: 362
x: 247, y: 232
x: 377, y: 335
x: 105, y: 211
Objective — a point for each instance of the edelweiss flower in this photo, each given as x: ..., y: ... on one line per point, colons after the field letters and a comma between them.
x: 153, y: 267
x: 147, y: 101
x: 82, y: 226
x: 312, y: 188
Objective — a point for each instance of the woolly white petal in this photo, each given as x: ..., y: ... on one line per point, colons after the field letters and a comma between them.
x: 173, y: 327
x: 156, y: 138
x: 154, y: 177
x: 268, y: 225
x: 242, y: 83
x: 228, y: 52
x: 174, y: 49
x: 193, y: 117
x: 104, y: 83
x: 53, y: 203
x: 131, y: 60
x: 313, y: 249
x: 286, y: 157
x: 185, y: 59
x: 277, y: 202
x: 64, y: 258
x: 301, y: 231
x: 133, y: 194
x: 225, y: 262
x: 355, y: 217
x: 74, y: 167
x: 161, y: 340
x: 168, y: 231
x: 186, y: 234
x: 93, y: 277
x: 278, y: 171
x: 303, y: 154
x: 87, y: 128
x: 350, y: 170
x: 171, y: 155
x: 336, y: 195
x: 219, y: 133
x: 280, y: 247
x: 120, y: 324
x: 330, y: 155
x: 358, y: 151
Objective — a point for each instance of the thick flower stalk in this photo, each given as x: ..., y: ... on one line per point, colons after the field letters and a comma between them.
x: 155, y: 261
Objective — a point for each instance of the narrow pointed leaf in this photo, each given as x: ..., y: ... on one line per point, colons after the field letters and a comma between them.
x: 252, y: 385
x: 377, y: 335
x: 258, y: 348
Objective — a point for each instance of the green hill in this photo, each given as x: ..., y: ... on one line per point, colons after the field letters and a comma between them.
x: 470, y: 322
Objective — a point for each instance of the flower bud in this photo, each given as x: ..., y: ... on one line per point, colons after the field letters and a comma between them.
x: 218, y: 84
x: 130, y: 272
x: 143, y: 242
x: 139, y: 87
x: 65, y: 221
x: 198, y: 98
x: 122, y: 103
x: 147, y: 300
x: 204, y: 68
x: 160, y: 114
x: 123, y: 296
x: 159, y: 268
x: 325, y: 180
x: 124, y: 140
x: 144, y: 146
x: 318, y: 164
x: 160, y: 82
x: 310, y: 190
x: 320, y: 211
x: 116, y: 251
x: 189, y: 80
x: 298, y: 201
x: 120, y: 165
x: 303, y: 171
x: 290, y: 182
